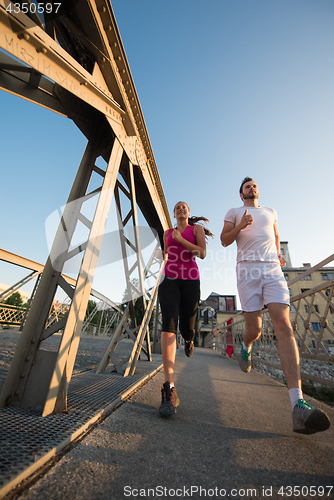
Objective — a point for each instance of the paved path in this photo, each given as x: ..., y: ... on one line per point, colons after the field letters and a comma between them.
x: 231, y: 438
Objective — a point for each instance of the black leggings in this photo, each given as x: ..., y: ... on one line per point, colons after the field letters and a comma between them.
x: 179, y: 299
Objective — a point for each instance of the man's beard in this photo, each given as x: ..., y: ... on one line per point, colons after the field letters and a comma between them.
x: 251, y: 196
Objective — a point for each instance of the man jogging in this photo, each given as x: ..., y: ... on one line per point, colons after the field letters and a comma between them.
x: 260, y: 282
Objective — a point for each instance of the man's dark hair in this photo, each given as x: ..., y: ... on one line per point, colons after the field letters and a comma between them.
x: 246, y: 179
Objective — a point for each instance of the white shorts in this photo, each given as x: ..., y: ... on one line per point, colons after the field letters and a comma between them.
x: 261, y: 283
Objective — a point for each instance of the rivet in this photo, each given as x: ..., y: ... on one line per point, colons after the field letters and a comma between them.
x: 25, y: 36
x: 33, y: 341
x: 22, y: 375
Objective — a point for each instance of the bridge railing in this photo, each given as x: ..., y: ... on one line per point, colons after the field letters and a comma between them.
x: 312, y: 318
x: 11, y: 316
x: 108, y: 319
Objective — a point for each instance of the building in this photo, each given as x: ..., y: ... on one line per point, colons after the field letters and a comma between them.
x: 214, y: 310
x: 315, y: 310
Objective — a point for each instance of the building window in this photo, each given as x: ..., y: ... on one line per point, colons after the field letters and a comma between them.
x: 315, y: 327
x: 292, y: 308
x: 305, y: 290
x: 222, y: 304
x: 286, y: 276
x: 307, y: 308
x: 306, y: 278
x: 327, y: 276
x: 229, y: 304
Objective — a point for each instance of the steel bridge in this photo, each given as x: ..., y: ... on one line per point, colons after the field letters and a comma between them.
x: 69, y: 58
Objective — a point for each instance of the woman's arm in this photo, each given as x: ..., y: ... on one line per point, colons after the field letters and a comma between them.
x: 165, y: 250
x: 198, y: 250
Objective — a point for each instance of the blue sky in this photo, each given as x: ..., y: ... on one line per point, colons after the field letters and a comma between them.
x: 228, y: 89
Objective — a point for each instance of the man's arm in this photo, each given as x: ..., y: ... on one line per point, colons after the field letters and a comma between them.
x: 278, y: 246
x: 231, y: 231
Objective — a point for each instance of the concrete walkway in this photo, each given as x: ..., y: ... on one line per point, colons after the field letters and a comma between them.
x: 231, y: 437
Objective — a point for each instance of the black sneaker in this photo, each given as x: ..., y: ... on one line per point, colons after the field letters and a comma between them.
x: 189, y: 348
x: 169, y: 401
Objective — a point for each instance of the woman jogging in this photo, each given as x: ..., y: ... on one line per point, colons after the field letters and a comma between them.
x: 179, y: 294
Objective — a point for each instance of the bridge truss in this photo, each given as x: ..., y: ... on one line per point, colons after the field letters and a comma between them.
x: 70, y: 59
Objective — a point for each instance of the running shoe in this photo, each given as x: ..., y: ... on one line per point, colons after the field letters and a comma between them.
x: 307, y: 419
x: 189, y: 348
x: 169, y: 401
x: 245, y: 360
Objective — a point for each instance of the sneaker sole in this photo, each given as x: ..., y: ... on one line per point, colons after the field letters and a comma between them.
x: 316, y: 422
x: 244, y: 367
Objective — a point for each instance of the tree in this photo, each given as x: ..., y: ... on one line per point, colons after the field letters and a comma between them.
x: 139, y: 310
x: 14, y: 300
x: 90, y: 308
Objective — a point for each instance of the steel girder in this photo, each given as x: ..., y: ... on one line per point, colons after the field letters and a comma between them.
x: 74, y: 64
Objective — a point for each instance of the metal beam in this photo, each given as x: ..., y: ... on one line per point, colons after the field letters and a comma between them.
x: 76, y: 65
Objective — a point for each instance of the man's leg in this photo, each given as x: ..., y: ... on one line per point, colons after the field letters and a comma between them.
x: 306, y: 418
x: 287, y: 347
x: 251, y: 333
x: 253, y: 327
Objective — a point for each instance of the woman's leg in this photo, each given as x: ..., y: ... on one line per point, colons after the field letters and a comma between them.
x: 190, y: 294
x: 168, y: 351
x: 169, y: 297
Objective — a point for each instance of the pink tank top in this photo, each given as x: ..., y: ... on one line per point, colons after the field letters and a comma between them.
x: 181, y: 263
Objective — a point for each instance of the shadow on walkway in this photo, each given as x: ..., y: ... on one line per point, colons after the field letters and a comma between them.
x: 232, y: 435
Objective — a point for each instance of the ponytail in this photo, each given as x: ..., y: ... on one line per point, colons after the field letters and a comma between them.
x: 194, y: 220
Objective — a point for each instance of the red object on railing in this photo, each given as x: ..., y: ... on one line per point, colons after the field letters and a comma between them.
x: 229, y: 350
x: 229, y: 339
